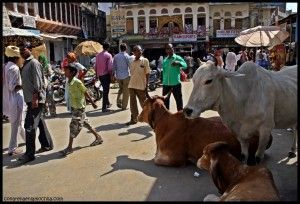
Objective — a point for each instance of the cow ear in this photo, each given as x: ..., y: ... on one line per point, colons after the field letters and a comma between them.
x: 200, y: 62
x: 216, y: 175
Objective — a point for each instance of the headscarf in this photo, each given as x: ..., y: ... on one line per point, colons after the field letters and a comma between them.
x: 44, y: 61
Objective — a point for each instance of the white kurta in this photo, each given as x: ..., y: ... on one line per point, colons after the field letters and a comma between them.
x: 12, y: 78
x: 5, y: 93
x: 15, y: 106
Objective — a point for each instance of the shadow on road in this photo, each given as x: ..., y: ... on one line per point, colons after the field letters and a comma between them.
x: 11, y: 161
x: 141, y: 130
x: 171, y: 183
x: 146, y: 131
x: 98, y: 112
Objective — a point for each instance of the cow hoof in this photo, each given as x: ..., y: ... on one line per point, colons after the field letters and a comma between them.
x: 257, y: 160
x: 292, y: 155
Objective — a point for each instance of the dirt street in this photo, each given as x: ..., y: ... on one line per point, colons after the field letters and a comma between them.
x: 121, y: 169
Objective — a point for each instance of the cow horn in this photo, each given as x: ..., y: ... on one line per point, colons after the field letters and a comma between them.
x: 147, y: 94
x: 200, y: 62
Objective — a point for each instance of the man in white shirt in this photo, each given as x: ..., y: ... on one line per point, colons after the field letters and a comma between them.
x: 15, y: 100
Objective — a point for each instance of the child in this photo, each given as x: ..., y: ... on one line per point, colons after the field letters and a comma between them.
x: 78, y: 92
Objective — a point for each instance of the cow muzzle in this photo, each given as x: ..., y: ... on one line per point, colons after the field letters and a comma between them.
x: 187, y: 112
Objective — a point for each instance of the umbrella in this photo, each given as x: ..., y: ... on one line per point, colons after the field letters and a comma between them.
x: 262, y: 36
x: 16, y: 36
x: 88, y: 48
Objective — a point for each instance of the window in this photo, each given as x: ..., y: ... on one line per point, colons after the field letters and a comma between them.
x: 141, y: 25
x: 47, y: 10
x: 58, y: 12
x: 176, y: 10
x: 141, y: 12
x: 152, y: 11
x: 153, y: 26
x: 21, y: 8
x: 64, y: 12
x: 201, y: 20
x: 238, y: 13
x: 129, y: 13
x: 129, y: 25
x: 77, y: 14
x: 41, y: 10
x: 188, y: 10
x: 227, y: 14
x: 216, y: 24
x: 69, y: 13
x: 217, y: 14
x: 153, y: 22
x: 227, y: 24
x: 53, y: 11
x: 201, y: 9
x: 30, y: 9
x: 73, y: 15
x: 9, y: 6
x: 164, y: 11
x: 238, y: 23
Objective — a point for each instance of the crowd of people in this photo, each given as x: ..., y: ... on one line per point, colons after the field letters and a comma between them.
x: 27, y: 101
x: 27, y: 91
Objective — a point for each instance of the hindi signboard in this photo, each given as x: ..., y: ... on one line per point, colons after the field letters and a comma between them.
x: 118, y: 22
x: 230, y: 33
x: 184, y: 37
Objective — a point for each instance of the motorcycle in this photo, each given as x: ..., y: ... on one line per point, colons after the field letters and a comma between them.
x: 94, y: 87
x: 154, y: 80
x: 57, y: 86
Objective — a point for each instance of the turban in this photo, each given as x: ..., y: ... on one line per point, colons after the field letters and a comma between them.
x: 71, y: 56
x: 12, y: 51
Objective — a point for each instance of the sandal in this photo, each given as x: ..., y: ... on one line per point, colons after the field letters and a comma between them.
x: 66, y: 151
x: 96, y: 142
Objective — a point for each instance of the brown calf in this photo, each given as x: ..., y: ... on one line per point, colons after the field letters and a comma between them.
x: 179, y: 139
x: 236, y: 181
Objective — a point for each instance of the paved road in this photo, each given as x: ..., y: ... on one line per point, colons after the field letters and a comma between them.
x: 121, y: 169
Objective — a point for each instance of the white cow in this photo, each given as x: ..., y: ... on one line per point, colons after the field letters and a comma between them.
x: 248, y: 101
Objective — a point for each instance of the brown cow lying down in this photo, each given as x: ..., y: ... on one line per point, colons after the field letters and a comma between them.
x: 236, y: 181
x: 180, y: 139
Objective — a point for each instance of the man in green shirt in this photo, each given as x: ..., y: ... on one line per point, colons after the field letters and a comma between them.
x: 171, y: 76
x: 78, y: 94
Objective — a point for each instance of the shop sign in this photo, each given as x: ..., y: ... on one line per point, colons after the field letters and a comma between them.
x: 29, y: 21
x: 231, y: 33
x: 36, y: 32
x: 184, y: 37
x: 118, y: 22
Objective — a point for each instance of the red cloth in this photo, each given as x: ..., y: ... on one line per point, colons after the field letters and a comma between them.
x: 64, y: 63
